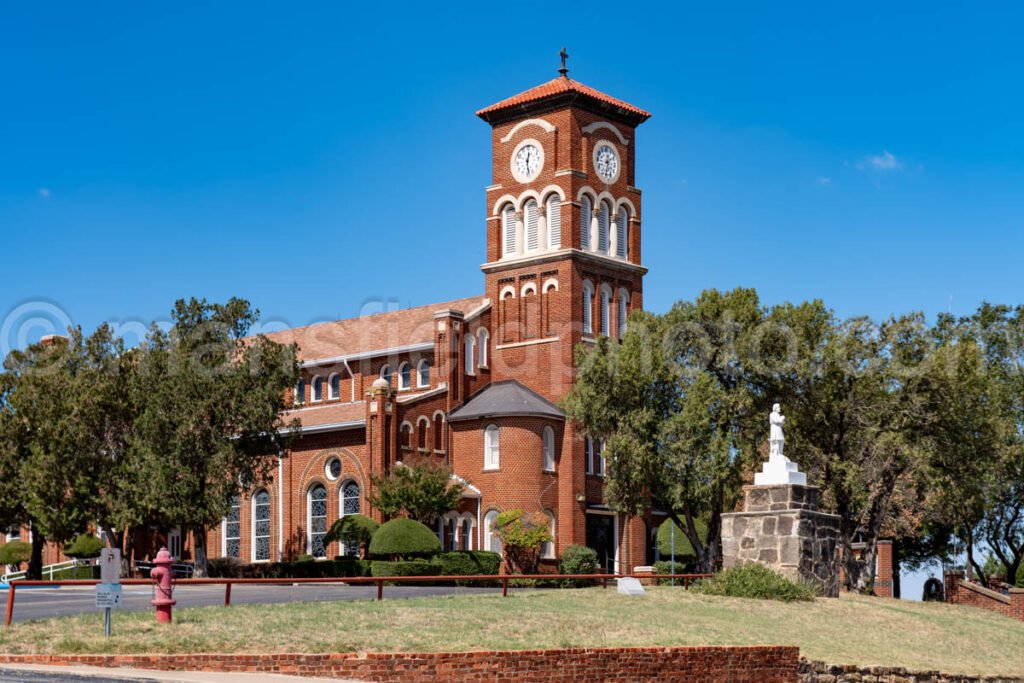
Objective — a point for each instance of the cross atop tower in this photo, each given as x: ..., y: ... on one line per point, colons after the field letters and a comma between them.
x: 564, y: 55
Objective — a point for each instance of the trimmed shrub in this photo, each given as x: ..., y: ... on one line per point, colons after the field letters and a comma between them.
x: 685, y: 553
x: 353, y: 529
x: 404, y: 568
x: 233, y: 568
x: 752, y: 580
x: 467, y: 563
x: 15, y: 552
x: 305, y: 557
x: 404, y: 538
x: 578, y: 559
x: 84, y: 546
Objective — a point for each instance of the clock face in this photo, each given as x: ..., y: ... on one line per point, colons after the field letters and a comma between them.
x: 606, y: 161
x: 527, y: 162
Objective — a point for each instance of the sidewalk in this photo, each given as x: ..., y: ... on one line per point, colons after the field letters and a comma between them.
x: 135, y: 675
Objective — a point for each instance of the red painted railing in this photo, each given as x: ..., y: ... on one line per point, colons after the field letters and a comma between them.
x: 684, y: 579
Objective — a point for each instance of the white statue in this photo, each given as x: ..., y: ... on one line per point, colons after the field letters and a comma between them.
x: 775, y: 438
x: 779, y: 469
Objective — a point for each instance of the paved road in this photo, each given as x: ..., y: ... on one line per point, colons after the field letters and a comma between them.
x: 42, y: 603
x: 16, y: 676
x: 88, y: 674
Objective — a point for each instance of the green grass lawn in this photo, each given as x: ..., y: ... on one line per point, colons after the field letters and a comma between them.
x: 852, y: 629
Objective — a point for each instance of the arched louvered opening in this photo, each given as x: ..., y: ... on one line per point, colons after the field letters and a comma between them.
x: 603, y: 219
x: 623, y: 311
x: 421, y: 433
x: 606, y: 322
x: 554, y: 212
x: 622, y: 233
x: 531, y: 312
x: 531, y: 216
x: 588, y: 308
x: 508, y: 230
x: 438, y: 431
x: 586, y: 213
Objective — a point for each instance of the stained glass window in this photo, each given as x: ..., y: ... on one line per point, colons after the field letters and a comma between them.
x: 261, y: 526
x: 317, y: 514
x: 350, y: 506
x: 233, y: 529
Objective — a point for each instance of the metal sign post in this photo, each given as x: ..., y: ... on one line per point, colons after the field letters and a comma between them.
x: 108, y: 590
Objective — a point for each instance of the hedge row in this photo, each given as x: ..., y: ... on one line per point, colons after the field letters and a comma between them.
x: 461, y: 563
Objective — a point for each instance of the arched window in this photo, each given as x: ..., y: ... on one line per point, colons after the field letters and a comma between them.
x: 261, y: 526
x: 466, y: 533
x: 334, y: 387
x: 470, y: 355
x: 531, y: 311
x: 599, y: 457
x: 554, y: 211
x: 586, y: 213
x: 438, y: 431
x: 348, y: 504
x: 603, y: 219
x: 385, y: 373
x: 231, y: 538
x: 588, y: 453
x: 547, y: 549
x: 421, y: 433
x: 451, y: 533
x: 483, y: 346
x: 531, y: 216
x: 588, y: 308
x: 508, y: 230
x: 491, y: 540
x: 491, y: 449
x: 548, y: 453
x: 318, y: 388
x: 606, y: 323
x: 423, y: 374
x: 316, y: 520
x: 404, y: 376
x: 623, y: 311
x: 622, y: 232
x: 300, y: 392
x: 405, y: 435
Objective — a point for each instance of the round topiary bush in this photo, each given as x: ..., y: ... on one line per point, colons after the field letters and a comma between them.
x: 84, y: 546
x: 403, y: 537
x: 577, y: 559
x: 353, y: 530
x: 15, y: 552
x: 684, y: 549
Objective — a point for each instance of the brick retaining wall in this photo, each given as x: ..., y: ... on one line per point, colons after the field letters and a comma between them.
x: 581, y: 665
x: 819, y: 672
x: 959, y: 591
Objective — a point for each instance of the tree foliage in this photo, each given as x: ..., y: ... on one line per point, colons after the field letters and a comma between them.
x: 422, y: 492
x: 522, y: 535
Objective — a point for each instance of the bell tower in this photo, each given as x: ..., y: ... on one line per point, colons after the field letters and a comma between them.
x: 563, y: 227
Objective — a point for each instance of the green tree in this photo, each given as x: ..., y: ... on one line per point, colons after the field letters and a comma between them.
x: 210, y: 422
x: 676, y: 406
x: 522, y: 535
x: 857, y: 420
x: 422, y: 492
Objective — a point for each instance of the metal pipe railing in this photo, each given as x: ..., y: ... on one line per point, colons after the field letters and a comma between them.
x: 379, y: 581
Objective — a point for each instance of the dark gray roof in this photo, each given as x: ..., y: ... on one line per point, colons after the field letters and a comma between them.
x: 508, y: 398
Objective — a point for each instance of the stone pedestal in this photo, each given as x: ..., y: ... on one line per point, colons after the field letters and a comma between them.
x: 782, y: 528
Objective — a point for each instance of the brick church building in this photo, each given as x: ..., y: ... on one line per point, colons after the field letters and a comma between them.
x: 473, y: 384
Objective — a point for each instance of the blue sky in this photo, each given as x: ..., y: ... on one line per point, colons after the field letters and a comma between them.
x: 313, y: 157
x: 322, y: 158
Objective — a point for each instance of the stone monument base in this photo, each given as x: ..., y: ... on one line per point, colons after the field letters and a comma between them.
x: 782, y: 528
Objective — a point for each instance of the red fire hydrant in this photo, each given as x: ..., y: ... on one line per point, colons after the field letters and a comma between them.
x: 162, y: 575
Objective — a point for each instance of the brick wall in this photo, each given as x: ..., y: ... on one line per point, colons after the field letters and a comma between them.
x: 762, y: 664
x: 819, y: 672
x: 959, y: 591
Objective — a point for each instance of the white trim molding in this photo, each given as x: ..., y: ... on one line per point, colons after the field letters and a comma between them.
x: 598, y: 125
x: 548, y: 127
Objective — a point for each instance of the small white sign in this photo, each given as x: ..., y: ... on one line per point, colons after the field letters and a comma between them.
x: 110, y: 565
x: 630, y: 586
x: 108, y: 595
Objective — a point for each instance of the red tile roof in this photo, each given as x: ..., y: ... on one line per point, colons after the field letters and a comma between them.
x: 370, y: 332
x: 558, y: 86
x: 329, y: 413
